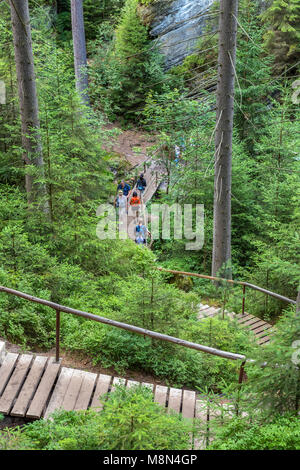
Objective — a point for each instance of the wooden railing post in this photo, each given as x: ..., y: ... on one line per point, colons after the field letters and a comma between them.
x: 243, y: 306
x: 57, y: 335
x: 241, y: 376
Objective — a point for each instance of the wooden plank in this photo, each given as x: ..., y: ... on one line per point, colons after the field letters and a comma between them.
x: 72, y: 391
x: 15, y: 382
x: 59, y: 391
x: 151, y: 386
x: 203, y: 307
x: 201, y: 415
x: 101, y: 389
x: 86, y: 391
x: 6, y: 369
x: 175, y: 399
x: 43, y: 391
x: 201, y: 410
x: 265, y: 339
x: 228, y: 410
x: 117, y: 381
x: 265, y: 332
x: 261, y: 328
x: 160, y: 395
x: 251, y: 322
x: 30, y: 386
x: 212, y: 311
x: 132, y: 383
x: 240, y: 316
x: 2, y: 352
x: 258, y: 325
x: 245, y: 318
x: 188, y: 404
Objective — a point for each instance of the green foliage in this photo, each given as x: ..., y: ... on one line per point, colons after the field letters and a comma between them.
x: 130, y: 420
x: 282, y: 37
x: 130, y: 68
x: 276, y: 387
x: 282, y: 433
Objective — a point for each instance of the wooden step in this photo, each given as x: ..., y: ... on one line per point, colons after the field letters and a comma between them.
x: 188, y: 404
x: 73, y: 390
x: 262, y: 328
x: 160, y: 395
x: 175, y: 399
x: 102, y: 388
x: 151, y: 386
x: 43, y: 391
x: 30, y: 386
x: 117, y: 381
x: 15, y: 383
x: 265, y: 332
x: 132, y: 383
x: 251, y: 322
x: 86, y: 391
x: 264, y: 340
x: 242, y: 319
x: 7, y: 369
x: 59, y: 392
x: 2, y: 352
x: 203, y: 307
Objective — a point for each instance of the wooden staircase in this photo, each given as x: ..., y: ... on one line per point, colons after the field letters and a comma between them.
x: 261, y: 329
x: 33, y: 386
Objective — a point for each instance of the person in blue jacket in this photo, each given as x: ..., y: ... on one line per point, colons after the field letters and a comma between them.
x: 123, y: 186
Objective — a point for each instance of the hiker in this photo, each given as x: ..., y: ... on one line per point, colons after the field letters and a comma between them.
x: 124, y: 187
x: 132, y: 182
x: 141, y: 184
x: 141, y: 233
x: 135, y: 204
x: 121, y: 203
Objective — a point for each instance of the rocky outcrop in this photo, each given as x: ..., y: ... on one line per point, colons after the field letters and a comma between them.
x: 176, y: 24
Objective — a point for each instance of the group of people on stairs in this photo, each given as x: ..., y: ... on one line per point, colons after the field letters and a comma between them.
x: 127, y: 197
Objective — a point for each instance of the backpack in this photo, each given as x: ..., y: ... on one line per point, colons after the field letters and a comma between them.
x: 141, y: 184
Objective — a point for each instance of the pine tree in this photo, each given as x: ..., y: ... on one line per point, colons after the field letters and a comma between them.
x: 134, y: 65
x: 223, y: 139
x: 282, y: 38
x: 80, y: 59
x: 29, y: 110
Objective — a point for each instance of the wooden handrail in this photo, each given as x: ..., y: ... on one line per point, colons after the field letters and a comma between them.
x: 124, y: 326
x: 241, y: 283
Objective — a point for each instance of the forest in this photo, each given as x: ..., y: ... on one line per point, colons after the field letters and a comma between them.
x: 201, y: 100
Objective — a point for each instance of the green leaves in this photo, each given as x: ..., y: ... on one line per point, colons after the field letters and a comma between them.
x: 130, y: 420
x: 282, y: 433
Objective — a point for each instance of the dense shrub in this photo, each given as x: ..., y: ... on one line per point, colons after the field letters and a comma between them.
x: 282, y: 433
x: 130, y: 420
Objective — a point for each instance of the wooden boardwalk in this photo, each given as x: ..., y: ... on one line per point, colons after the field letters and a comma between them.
x: 153, y: 176
x: 261, y: 329
x: 33, y: 386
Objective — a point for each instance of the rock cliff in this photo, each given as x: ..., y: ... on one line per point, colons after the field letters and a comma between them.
x: 176, y: 24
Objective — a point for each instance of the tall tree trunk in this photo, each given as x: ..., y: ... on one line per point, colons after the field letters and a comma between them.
x: 29, y: 110
x: 223, y: 139
x: 80, y: 61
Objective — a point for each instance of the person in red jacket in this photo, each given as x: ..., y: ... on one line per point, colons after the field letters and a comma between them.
x: 135, y: 204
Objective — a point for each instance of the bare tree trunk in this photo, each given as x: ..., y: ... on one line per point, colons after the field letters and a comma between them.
x: 221, y: 262
x: 80, y: 61
x: 29, y: 110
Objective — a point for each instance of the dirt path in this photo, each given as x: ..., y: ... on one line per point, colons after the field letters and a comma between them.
x: 83, y: 362
x: 130, y: 144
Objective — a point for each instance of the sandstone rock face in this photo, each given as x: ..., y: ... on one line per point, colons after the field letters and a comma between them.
x: 177, y: 24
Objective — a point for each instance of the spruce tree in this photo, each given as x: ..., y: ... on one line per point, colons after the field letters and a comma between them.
x: 282, y: 38
x: 29, y: 109
x: 134, y: 66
